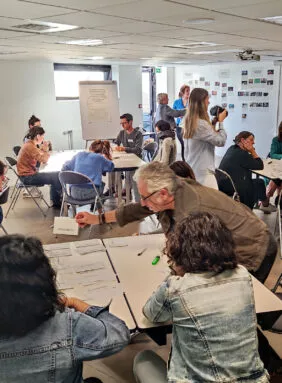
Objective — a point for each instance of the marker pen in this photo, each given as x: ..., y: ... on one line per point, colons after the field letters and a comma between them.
x: 156, y: 260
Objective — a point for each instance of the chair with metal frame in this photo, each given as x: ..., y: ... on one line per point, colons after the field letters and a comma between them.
x: 3, y: 199
x: 67, y: 179
x: 278, y: 219
x: 149, y: 151
x: 16, y: 150
x: 222, y: 175
x: 19, y: 186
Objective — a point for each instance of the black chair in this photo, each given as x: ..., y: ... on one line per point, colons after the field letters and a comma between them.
x: 19, y: 186
x: 3, y: 199
x: 226, y: 184
x: 149, y: 151
x: 16, y: 150
x: 68, y: 178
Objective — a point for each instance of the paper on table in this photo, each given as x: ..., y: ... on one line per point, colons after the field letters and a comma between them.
x: 90, y: 249
x: 117, y: 242
x: 58, y: 253
x: 57, y: 246
x: 89, y: 242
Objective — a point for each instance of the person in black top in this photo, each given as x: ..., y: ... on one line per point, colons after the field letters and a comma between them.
x: 238, y: 162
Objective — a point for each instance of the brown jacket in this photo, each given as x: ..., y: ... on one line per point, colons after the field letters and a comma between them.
x: 28, y: 156
x: 251, y: 235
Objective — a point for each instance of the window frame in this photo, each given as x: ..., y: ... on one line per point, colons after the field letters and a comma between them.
x: 107, y: 69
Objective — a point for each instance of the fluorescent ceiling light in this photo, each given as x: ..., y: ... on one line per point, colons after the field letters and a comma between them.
x: 146, y: 58
x: 215, y: 52
x: 181, y: 62
x: 274, y: 19
x: 43, y: 26
x: 87, y: 42
x: 96, y: 58
x: 199, y: 21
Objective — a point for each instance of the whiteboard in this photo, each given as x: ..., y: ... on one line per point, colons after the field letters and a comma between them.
x: 99, y: 109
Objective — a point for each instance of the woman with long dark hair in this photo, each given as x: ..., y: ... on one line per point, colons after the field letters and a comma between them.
x: 32, y: 153
x: 201, y: 138
x: 210, y: 301
x: 45, y: 336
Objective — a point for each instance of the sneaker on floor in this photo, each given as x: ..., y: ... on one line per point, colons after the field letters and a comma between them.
x: 268, y: 209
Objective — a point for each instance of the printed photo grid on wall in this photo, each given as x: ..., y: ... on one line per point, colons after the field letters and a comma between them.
x: 252, y: 95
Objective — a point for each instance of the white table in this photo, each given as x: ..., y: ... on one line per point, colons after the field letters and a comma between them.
x: 140, y: 278
x: 273, y: 171
x: 90, y: 276
x: 124, y: 162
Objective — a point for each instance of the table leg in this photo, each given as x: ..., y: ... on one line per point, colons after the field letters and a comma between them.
x: 119, y: 187
x: 127, y: 186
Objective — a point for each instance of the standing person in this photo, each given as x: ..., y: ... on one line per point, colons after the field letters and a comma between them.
x: 238, y: 162
x: 201, y: 138
x: 167, y: 146
x: 173, y: 198
x: 276, y: 145
x: 165, y: 112
x: 29, y: 156
x: 181, y: 103
x: 209, y: 299
x: 130, y: 140
x: 45, y: 336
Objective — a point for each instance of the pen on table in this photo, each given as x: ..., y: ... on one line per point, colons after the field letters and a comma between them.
x: 142, y: 251
x: 156, y: 260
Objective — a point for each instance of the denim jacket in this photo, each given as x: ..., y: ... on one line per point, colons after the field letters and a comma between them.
x: 54, y: 351
x: 214, y: 327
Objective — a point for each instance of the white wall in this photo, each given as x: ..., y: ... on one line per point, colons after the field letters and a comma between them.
x: 28, y: 88
x: 130, y: 92
x: 262, y: 121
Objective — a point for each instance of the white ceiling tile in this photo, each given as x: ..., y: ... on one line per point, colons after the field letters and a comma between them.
x: 81, y: 5
x: 21, y: 10
x: 219, y: 4
x: 137, y: 27
x: 85, y: 19
x: 87, y: 33
x: 10, y: 34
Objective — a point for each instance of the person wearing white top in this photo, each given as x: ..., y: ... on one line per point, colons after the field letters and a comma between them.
x: 201, y: 137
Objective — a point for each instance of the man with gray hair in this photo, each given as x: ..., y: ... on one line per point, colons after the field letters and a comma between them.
x: 173, y: 198
x: 165, y: 112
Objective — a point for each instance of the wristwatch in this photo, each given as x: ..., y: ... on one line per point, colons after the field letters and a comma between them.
x: 102, y: 218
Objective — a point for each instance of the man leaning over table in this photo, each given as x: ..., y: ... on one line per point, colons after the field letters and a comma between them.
x: 173, y: 199
x: 130, y: 140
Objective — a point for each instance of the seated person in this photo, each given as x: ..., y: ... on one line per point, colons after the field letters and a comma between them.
x: 165, y: 112
x: 93, y: 164
x: 3, y: 181
x: 238, y: 162
x: 210, y: 301
x: 32, y: 122
x: 275, y: 153
x: 167, y: 146
x: 29, y: 156
x: 183, y: 170
x: 45, y: 336
x: 131, y: 139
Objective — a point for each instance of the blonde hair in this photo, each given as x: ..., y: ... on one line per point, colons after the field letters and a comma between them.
x: 161, y: 96
x: 197, y: 110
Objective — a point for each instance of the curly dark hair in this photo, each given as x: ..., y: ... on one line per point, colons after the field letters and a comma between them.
x: 201, y: 242
x: 34, y: 132
x: 28, y: 291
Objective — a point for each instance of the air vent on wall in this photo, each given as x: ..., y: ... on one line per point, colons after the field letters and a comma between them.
x: 42, y: 27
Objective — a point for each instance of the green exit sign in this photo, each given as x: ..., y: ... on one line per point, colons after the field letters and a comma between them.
x: 158, y: 70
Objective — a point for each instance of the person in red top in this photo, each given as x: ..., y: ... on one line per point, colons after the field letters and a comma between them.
x: 29, y: 156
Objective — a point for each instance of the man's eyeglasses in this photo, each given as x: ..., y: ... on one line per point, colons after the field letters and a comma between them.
x: 148, y: 196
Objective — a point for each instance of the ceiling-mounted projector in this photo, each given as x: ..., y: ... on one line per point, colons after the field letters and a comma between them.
x: 248, y: 55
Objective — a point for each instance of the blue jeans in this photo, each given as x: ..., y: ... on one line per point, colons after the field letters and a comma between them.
x: 81, y: 193
x: 39, y: 179
x: 179, y: 133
